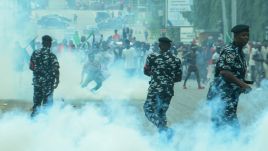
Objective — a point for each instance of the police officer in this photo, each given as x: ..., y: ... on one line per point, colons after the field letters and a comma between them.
x: 164, y: 69
x: 229, y: 81
x: 45, y: 67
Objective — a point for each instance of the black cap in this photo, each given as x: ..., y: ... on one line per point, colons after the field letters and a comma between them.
x: 46, y: 38
x: 240, y: 28
x: 164, y: 39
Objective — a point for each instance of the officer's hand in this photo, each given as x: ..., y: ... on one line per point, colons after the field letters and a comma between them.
x: 246, y: 89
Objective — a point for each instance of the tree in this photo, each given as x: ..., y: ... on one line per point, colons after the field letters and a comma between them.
x: 206, y: 14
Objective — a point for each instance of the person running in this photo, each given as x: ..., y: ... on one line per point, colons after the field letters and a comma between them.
x: 164, y: 69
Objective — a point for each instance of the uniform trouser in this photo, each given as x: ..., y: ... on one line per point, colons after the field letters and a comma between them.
x: 223, y: 113
x: 190, y: 70
x: 41, y: 97
x: 155, y: 108
x: 223, y: 99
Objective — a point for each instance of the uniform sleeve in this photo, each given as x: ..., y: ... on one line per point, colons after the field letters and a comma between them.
x: 32, y: 62
x: 147, y: 66
x: 178, y: 70
x: 55, y: 66
x: 226, y: 60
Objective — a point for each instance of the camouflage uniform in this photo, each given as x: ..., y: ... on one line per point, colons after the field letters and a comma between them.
x: 45, y: 67
x: 165, y: 69
x: 224, y: 95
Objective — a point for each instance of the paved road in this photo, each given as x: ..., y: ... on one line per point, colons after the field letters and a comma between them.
x: 185, y: 105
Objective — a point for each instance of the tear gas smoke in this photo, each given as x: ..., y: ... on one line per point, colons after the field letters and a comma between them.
x: 110, y: 125
x: 119, y: 126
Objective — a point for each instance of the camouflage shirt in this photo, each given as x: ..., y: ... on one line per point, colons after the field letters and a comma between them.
x: 45, y: 67
x: 232, y: 59
x: 164, y: 70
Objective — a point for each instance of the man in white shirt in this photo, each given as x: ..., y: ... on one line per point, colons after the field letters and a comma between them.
x: 252, y: 66
x: 215, y: 58
x: 130, y: 57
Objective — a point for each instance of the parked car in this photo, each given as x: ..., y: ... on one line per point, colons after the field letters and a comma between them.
x: 102, y: 16
x: 105, y: 21
x: 55, y: 21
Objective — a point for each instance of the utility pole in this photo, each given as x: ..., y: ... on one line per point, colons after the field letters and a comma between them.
x: 225, y: 21
x: 234, y: 12
x: 266, y: 32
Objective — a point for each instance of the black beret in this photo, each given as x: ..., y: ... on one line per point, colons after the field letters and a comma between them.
x: 46, y: 38
x: 240, y: 28
x: 164, y: 39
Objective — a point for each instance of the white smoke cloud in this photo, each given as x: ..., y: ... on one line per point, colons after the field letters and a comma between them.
x: 14, y: 28
x: 117, y: 126
x: 18, y: 84
x: 66, y: 128
x: 116, y: 86
x: 112, y: 122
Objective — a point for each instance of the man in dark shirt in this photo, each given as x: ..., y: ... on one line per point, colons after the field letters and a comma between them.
x: 92, y: 71
x: 164, y: 69
x: 45, y: 67
x: 229, y: 82
x: 192, y: 67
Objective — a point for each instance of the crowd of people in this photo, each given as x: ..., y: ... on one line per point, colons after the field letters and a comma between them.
x: 230, y: 69
x: 115, y: 49
x: 257, y: 59
x: 123, y: 48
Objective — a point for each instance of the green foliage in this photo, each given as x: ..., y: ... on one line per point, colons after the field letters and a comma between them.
x: 206, y: 14
x: 174, y: 33
x: 155, y: 21
x: 254, y: 13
